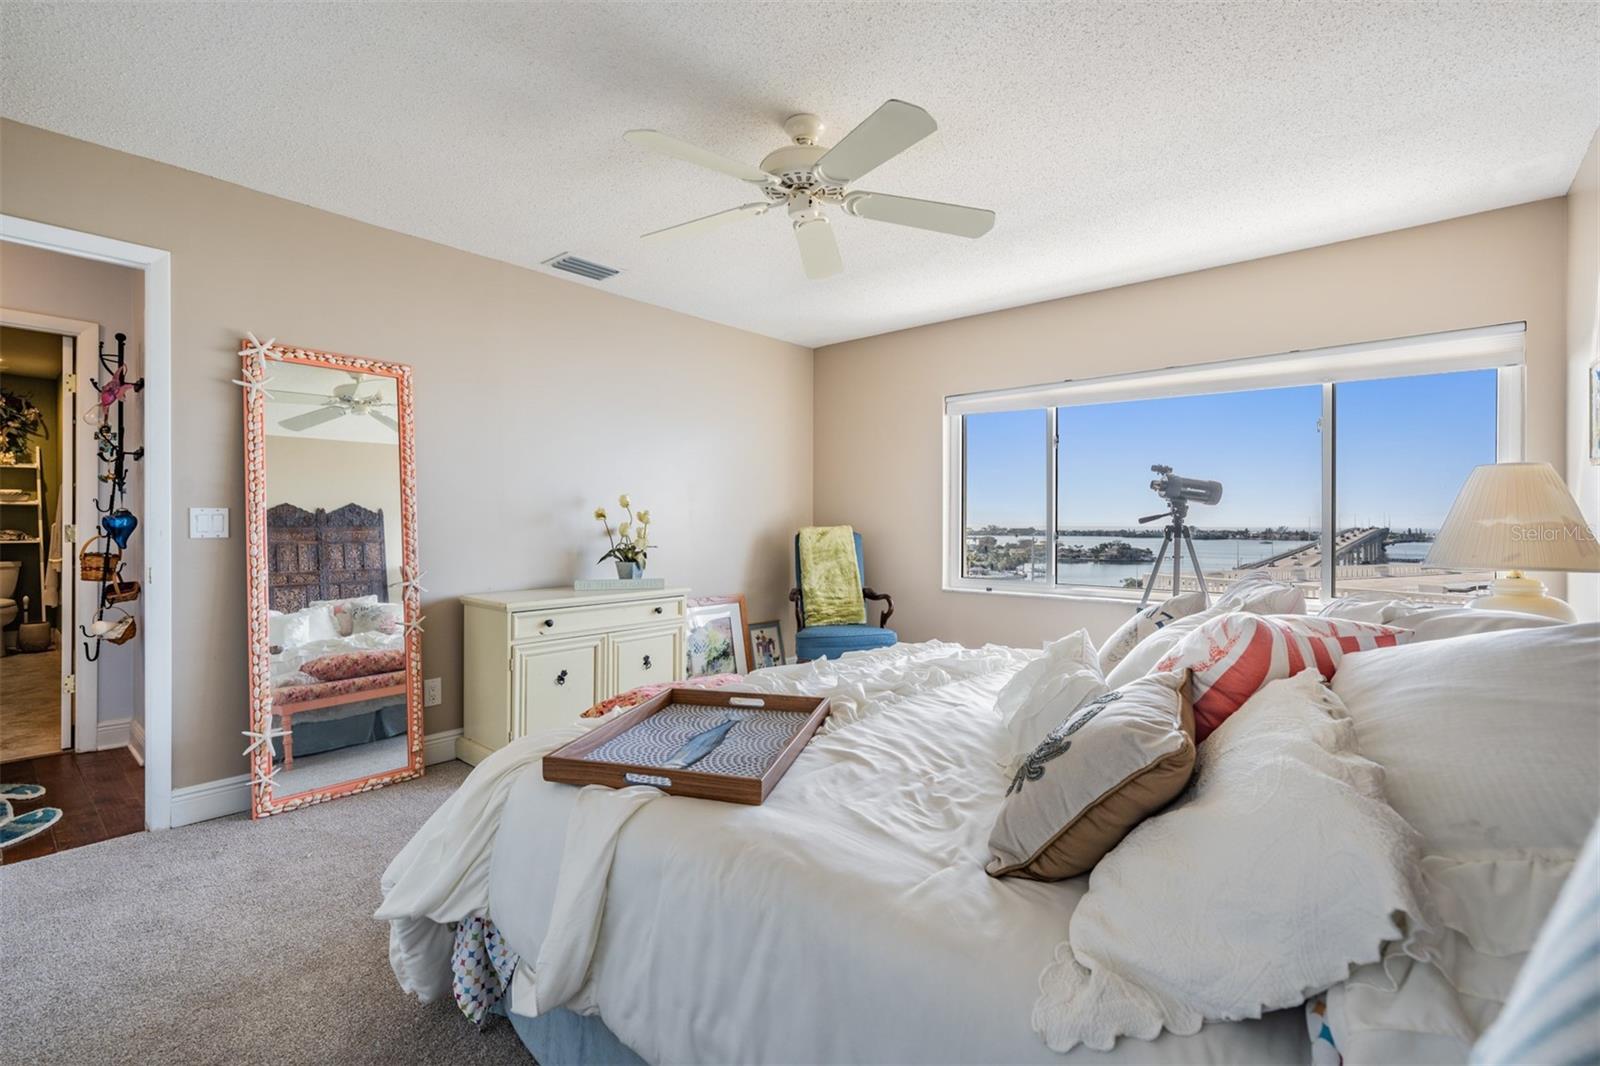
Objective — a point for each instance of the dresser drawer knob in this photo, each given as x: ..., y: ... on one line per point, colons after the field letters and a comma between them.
x: 561, y: 678
x: 647, y: 662
x: 549, y: 622
x: 660, y: 610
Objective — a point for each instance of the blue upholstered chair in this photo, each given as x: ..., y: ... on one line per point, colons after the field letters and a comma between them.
x: 830, y: 642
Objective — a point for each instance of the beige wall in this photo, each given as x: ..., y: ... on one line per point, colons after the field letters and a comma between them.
x: 537, y: 399
x: 32, y: 279
x: 1583, y: 349
x: 878, y: 429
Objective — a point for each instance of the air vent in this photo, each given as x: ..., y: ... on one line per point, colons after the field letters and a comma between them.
x: 581, y: 267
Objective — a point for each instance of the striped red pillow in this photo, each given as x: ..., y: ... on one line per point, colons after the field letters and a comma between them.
x: 1231, y: 657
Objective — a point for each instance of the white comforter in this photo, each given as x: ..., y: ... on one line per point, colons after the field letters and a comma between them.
x: 847, y: 919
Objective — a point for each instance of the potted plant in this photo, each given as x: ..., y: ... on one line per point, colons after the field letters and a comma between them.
x: 630, y: 543
x: 19, y: 420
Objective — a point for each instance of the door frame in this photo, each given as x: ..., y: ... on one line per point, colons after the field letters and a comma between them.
x: 157, y: 518
x: 79, y: 726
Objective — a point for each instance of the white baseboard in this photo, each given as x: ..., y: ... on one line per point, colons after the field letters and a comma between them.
x: 231, y: 795
x: 114, y: 733
x: 136, y: 741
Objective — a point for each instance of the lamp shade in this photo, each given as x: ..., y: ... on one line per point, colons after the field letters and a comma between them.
x: 1515, y: 516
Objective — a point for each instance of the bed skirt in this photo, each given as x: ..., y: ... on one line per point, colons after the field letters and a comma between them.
x: 563, y: 1038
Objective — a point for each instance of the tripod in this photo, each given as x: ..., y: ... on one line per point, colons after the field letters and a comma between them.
x: 1177, y: 530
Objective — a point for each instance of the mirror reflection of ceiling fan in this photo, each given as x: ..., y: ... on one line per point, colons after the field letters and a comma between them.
x: 803, y: 176
x: 340, y: 402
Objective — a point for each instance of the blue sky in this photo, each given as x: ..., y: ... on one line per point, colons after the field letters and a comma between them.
x: 1406, y: 446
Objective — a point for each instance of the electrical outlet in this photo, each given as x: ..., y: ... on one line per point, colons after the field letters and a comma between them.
x: 432, y: 692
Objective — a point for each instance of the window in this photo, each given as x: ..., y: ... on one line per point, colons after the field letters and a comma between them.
x: 1266, y: 459
x: 1353, y: 454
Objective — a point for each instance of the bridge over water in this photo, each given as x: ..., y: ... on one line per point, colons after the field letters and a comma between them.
x: 1349, y: 546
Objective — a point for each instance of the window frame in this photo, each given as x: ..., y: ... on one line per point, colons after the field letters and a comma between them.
x: 1501, y: 348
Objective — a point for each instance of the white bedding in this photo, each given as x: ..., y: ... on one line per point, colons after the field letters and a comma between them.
x: 848, y: 918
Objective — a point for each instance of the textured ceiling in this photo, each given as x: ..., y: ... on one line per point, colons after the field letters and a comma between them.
x: 1116, y: 142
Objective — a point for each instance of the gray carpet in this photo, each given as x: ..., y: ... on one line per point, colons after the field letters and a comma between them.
x: 227, y: 942
x: 343, y: 764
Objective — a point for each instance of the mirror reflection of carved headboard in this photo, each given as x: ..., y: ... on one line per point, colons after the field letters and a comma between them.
x: 324, y: 555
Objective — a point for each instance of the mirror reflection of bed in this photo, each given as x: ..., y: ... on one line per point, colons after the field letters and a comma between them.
x: 334, y: 548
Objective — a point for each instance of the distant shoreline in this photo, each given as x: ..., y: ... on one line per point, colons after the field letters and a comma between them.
x: 1154, y: 530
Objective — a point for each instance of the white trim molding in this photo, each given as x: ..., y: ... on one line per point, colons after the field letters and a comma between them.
x: 156, y: 517
x: 231, y: 795
x: 136, y: 740
x: 113, y: 733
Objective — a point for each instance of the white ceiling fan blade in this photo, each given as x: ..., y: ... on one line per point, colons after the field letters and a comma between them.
x: 700, y: 225
x: 819, y: 252
x: 882, y: 135
x: 290, y: 396
x: 923, y: 214
x: 312, y: 418
x: 657, y: 141
x: 385, y: 419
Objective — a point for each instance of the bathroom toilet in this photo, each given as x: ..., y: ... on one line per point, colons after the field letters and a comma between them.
x: 10, y: 570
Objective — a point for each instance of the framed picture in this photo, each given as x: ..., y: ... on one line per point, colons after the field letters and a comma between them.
x: 1594, y: 412
x: 766, y: 645
x: 718, y: 642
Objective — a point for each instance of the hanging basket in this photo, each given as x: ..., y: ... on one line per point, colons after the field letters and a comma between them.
x: 98, y: 565
x: 121, y: 591
x: 123, y: 629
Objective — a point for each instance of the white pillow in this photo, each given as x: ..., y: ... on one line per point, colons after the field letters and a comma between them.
x: 1280, y: 868
x: 1044, y: 692
x: 306, y: 625
x: 1432, y: 621
x: 1490, y: 740
x: 1491, y: 747
x: 1252, y: 594
x: 1144, y: 623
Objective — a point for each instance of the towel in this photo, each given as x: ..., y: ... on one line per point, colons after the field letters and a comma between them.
x: 830, y: 581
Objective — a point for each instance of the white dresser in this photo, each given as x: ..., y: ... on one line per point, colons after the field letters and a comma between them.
x: 539, y: 658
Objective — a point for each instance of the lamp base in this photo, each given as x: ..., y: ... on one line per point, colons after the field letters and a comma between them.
x: 1526, y: 595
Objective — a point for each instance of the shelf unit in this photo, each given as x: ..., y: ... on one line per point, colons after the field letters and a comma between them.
x: 36, y: 502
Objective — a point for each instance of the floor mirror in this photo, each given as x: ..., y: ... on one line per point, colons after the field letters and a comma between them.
x: 335, y: 648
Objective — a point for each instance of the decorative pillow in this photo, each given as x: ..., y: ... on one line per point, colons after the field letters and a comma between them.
x: 341, y: 610
x: 373, y: 617
x: 1041, y: 694
x: 1231, y: 657
x: 348, y: 664
x: 1144, y: 624
x: 1277, y: 871
x: 306, y: 625
x: 1253, y: 594
x: 1116, y: 759
x: 1432, y: 621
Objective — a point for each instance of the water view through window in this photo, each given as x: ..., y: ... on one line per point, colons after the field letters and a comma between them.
x: 1403, y: 447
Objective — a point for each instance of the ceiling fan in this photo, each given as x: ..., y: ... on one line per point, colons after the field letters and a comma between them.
x: 342, y: 401
x: 805, y: 175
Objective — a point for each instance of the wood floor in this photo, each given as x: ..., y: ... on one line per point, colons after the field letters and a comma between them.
x: 30, y: 704
x: 100, y: 793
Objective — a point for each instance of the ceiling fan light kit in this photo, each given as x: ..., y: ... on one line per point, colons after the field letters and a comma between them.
x: 805, y: 175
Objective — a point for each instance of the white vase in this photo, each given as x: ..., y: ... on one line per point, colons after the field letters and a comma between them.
x: 628, y: 571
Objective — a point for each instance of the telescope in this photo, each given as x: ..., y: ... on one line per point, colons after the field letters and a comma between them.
x: 1179, y: 492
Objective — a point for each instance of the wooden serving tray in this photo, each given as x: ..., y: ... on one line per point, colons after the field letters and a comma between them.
x: 631, y: 748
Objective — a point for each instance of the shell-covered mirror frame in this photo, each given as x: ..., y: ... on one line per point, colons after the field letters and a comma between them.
x: 254, y: 358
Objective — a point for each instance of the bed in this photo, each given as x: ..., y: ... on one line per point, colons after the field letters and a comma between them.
x: 337, y: 646
x: 849, y: 918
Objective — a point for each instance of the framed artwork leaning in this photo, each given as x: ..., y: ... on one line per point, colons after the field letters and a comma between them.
x: 718, y: 640
x: 766, y: 645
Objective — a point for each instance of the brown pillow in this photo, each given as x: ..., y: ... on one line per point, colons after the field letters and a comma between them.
x: 1114, y: 761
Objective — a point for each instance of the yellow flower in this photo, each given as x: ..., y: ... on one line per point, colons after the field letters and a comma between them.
x: 644, y: 518
x: 623, y: 527
x: 600, y: 514
x: 638, y: 537
x: 623, y: 500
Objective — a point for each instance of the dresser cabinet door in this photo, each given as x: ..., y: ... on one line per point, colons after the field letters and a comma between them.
x: 646, y: 659
x: 554, y: 684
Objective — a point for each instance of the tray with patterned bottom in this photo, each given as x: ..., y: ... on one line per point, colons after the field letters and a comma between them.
x: 718, y: 744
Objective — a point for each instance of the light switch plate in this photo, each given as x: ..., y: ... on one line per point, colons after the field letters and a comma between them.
x: 432, y: 692
x: 208, y: 523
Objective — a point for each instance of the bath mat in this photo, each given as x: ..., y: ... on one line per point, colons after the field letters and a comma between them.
x: 26, y: 826
x: 5, y: 812
x: 25, y: 793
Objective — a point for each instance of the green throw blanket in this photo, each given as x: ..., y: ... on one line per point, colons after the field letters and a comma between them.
x: 830, y: 582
